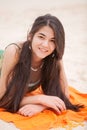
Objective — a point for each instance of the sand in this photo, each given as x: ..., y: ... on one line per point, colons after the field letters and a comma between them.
x: 16, y: 18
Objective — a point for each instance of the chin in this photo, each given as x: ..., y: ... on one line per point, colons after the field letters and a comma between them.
x: 42, y: 57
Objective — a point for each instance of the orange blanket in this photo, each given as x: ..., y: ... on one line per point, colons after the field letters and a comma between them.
x: 48, y: 119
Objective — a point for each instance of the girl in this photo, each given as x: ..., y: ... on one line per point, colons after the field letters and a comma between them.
x: 34, y: 63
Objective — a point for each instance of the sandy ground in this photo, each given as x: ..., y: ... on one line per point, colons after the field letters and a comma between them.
x: 16, y: 17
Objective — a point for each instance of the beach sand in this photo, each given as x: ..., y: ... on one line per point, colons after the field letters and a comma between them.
x: 16, y: 18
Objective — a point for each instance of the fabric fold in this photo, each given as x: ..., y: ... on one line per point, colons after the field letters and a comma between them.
x: 48, y: 118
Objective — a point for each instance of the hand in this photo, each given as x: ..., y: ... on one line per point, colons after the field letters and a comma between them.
x: 52, y: 102
x: 31, y: 109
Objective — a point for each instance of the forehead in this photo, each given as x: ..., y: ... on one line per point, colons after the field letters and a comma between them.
x: 46, y: 30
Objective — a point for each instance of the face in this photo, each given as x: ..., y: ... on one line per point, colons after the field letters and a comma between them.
x: 43, y: 43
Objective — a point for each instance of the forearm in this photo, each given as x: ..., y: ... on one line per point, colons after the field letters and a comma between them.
x: 30, y: 100
x: 45, y: 101
x: 31, y: 109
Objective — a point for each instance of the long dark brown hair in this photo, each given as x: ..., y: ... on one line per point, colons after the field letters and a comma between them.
x: 50, y: 75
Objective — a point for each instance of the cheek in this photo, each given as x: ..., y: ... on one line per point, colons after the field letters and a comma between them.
x: 35, y: 42
x: 53, y: 47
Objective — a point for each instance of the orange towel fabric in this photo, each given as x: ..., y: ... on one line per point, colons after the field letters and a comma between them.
x: 48, y: 119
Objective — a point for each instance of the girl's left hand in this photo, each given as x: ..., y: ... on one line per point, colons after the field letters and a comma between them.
x: 31, y: 109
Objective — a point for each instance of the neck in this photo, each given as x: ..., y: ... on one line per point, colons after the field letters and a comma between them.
x: 36, y: 62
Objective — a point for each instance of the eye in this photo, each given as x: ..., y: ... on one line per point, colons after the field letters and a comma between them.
x: 41, y: 37
x: 53, y: 41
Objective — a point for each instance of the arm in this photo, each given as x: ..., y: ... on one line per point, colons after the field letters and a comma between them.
x: 9, y: 61
x: 38, y: 103
x: 45, y: 101
x: 63, y: 80
x: 31, y: 109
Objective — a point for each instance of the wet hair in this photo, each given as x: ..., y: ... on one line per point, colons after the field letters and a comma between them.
x: 50, y: 74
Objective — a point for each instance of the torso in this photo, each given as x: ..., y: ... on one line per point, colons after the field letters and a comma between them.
x: 34, y: 80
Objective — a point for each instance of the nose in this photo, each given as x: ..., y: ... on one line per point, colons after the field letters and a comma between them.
x: 45, y: 43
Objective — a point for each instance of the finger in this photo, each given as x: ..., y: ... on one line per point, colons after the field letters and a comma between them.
x: 31, y: 114
x: 25, y: 113
x: 60, y: 107
x: 20, y: 110
x: 59, y: 101
x: 23, y: 110
x: 56, y: 109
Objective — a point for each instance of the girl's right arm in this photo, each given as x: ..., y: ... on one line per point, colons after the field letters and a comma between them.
x: 9, y: 61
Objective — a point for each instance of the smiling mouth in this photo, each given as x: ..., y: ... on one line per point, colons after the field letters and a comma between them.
x: 43, y: 49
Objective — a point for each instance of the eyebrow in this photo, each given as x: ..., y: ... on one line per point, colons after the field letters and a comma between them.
x: 45, y: 35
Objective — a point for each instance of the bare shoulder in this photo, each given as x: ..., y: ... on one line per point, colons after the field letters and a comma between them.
x: 11, y: 53
x: 14, y: 46
x: 13, y: 50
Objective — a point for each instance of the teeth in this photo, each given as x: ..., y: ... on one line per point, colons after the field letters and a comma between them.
x: 42, y: 49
